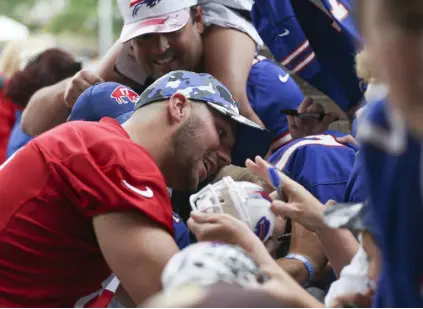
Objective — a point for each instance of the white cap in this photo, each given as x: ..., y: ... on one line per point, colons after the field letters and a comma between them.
x: 153, y: 16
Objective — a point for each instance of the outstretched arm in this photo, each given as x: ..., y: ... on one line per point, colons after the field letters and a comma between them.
x: 301, y: 206
x: 228, y: 56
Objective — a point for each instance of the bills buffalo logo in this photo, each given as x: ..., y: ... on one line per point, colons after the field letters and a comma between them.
x: 137, y: 4
x: 121, y: 93
x: 262, y: 228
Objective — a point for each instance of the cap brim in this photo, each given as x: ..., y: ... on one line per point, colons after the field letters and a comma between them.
x: 161, y: 24
x: 346, y: 216
x: 124, y: 117
x: 252, y: 139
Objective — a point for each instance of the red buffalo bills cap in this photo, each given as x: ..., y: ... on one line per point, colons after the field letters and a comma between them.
x: 105, y: 100
x: 153, y: 16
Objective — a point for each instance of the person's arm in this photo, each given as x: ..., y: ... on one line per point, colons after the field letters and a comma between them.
x: 302, y: 207
x: 225, y: 228
x: 46, y: 109
x: 228, y: 56
x: 295, y: 268
x: 136, y: 249
x: 50, y: 106
x: 340, y: 247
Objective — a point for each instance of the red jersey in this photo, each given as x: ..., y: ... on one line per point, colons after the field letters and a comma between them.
x: 49, y: 192
x: 7, y: 119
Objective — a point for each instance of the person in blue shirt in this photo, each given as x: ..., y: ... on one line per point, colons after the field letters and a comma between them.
x: 319, y: 163
x: 317, y: 40
x: 270, y: 89
x: 391, y: 136
x: 392, y: 169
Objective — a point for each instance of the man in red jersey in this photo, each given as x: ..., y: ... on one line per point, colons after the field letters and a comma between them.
x: 87, y: 199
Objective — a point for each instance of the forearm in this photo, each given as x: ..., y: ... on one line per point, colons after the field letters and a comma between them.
x: 232, y: 64
x: 340, y: 247
x: 46, y: 109
x: 257, y: 250
x: 295, y: 268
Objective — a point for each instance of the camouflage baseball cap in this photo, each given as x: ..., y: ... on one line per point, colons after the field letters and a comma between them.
x: 252, y: 139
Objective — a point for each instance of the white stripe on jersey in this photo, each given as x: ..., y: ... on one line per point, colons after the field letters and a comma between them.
x: 327, y: 140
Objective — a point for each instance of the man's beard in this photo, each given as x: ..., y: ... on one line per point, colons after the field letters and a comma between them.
x: 187, y: 147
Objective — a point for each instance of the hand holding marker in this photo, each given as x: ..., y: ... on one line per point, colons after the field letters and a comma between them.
x: 276, y: 180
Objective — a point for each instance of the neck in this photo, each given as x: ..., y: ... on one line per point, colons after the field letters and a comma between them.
x: 151, y: 137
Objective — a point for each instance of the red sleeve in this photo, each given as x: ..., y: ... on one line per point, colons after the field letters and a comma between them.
x: 116, y: 175
x: 7, y: 119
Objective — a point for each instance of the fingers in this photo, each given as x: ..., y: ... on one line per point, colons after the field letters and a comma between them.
x: 305, y: 105
x: 283, y: 209
x: 90, y: 77
x: 327, y: 121
x: 200, y: 227
x: 260, y: 167
x: 200, y: 217
x: 79, y: 83
x: 274, y: 195
x: 191, y: 224
x: 347, y: 139
x: 316, y: 108
x: 292, y: 126
x: 330, y: 203
x: 252, y: 166
x: 259, y: 170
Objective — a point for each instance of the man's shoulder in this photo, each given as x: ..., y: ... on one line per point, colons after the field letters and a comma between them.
x: 264, y: 66
x: 88, y: 128
x: 377, y: 113
x: 77, y: 137
x: 266, y: 73
x: 103, y: 144
x: 382, y: 127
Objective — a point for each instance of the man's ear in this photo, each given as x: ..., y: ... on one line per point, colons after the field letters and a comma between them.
x: 179, y: 107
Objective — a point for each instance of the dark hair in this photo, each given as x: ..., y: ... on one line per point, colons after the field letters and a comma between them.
x: 48, y: 68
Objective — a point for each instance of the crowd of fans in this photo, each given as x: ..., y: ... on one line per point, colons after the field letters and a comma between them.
x: 189, y: 170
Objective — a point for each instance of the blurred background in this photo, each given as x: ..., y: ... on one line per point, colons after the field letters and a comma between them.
x: 87, y: 28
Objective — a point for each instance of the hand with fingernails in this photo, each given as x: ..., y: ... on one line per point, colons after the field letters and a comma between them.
x: 299, y: 127
x: 297, y: 204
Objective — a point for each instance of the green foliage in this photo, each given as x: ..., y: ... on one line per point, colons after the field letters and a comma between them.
x: 79, y: 17
x: 14, y: 9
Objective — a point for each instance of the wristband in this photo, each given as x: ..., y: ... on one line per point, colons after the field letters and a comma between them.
x: 308, y: 265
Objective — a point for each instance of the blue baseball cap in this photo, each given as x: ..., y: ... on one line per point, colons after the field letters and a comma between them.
x: 252, y: 139
x: 105, y: 100
x: 117, y: 101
